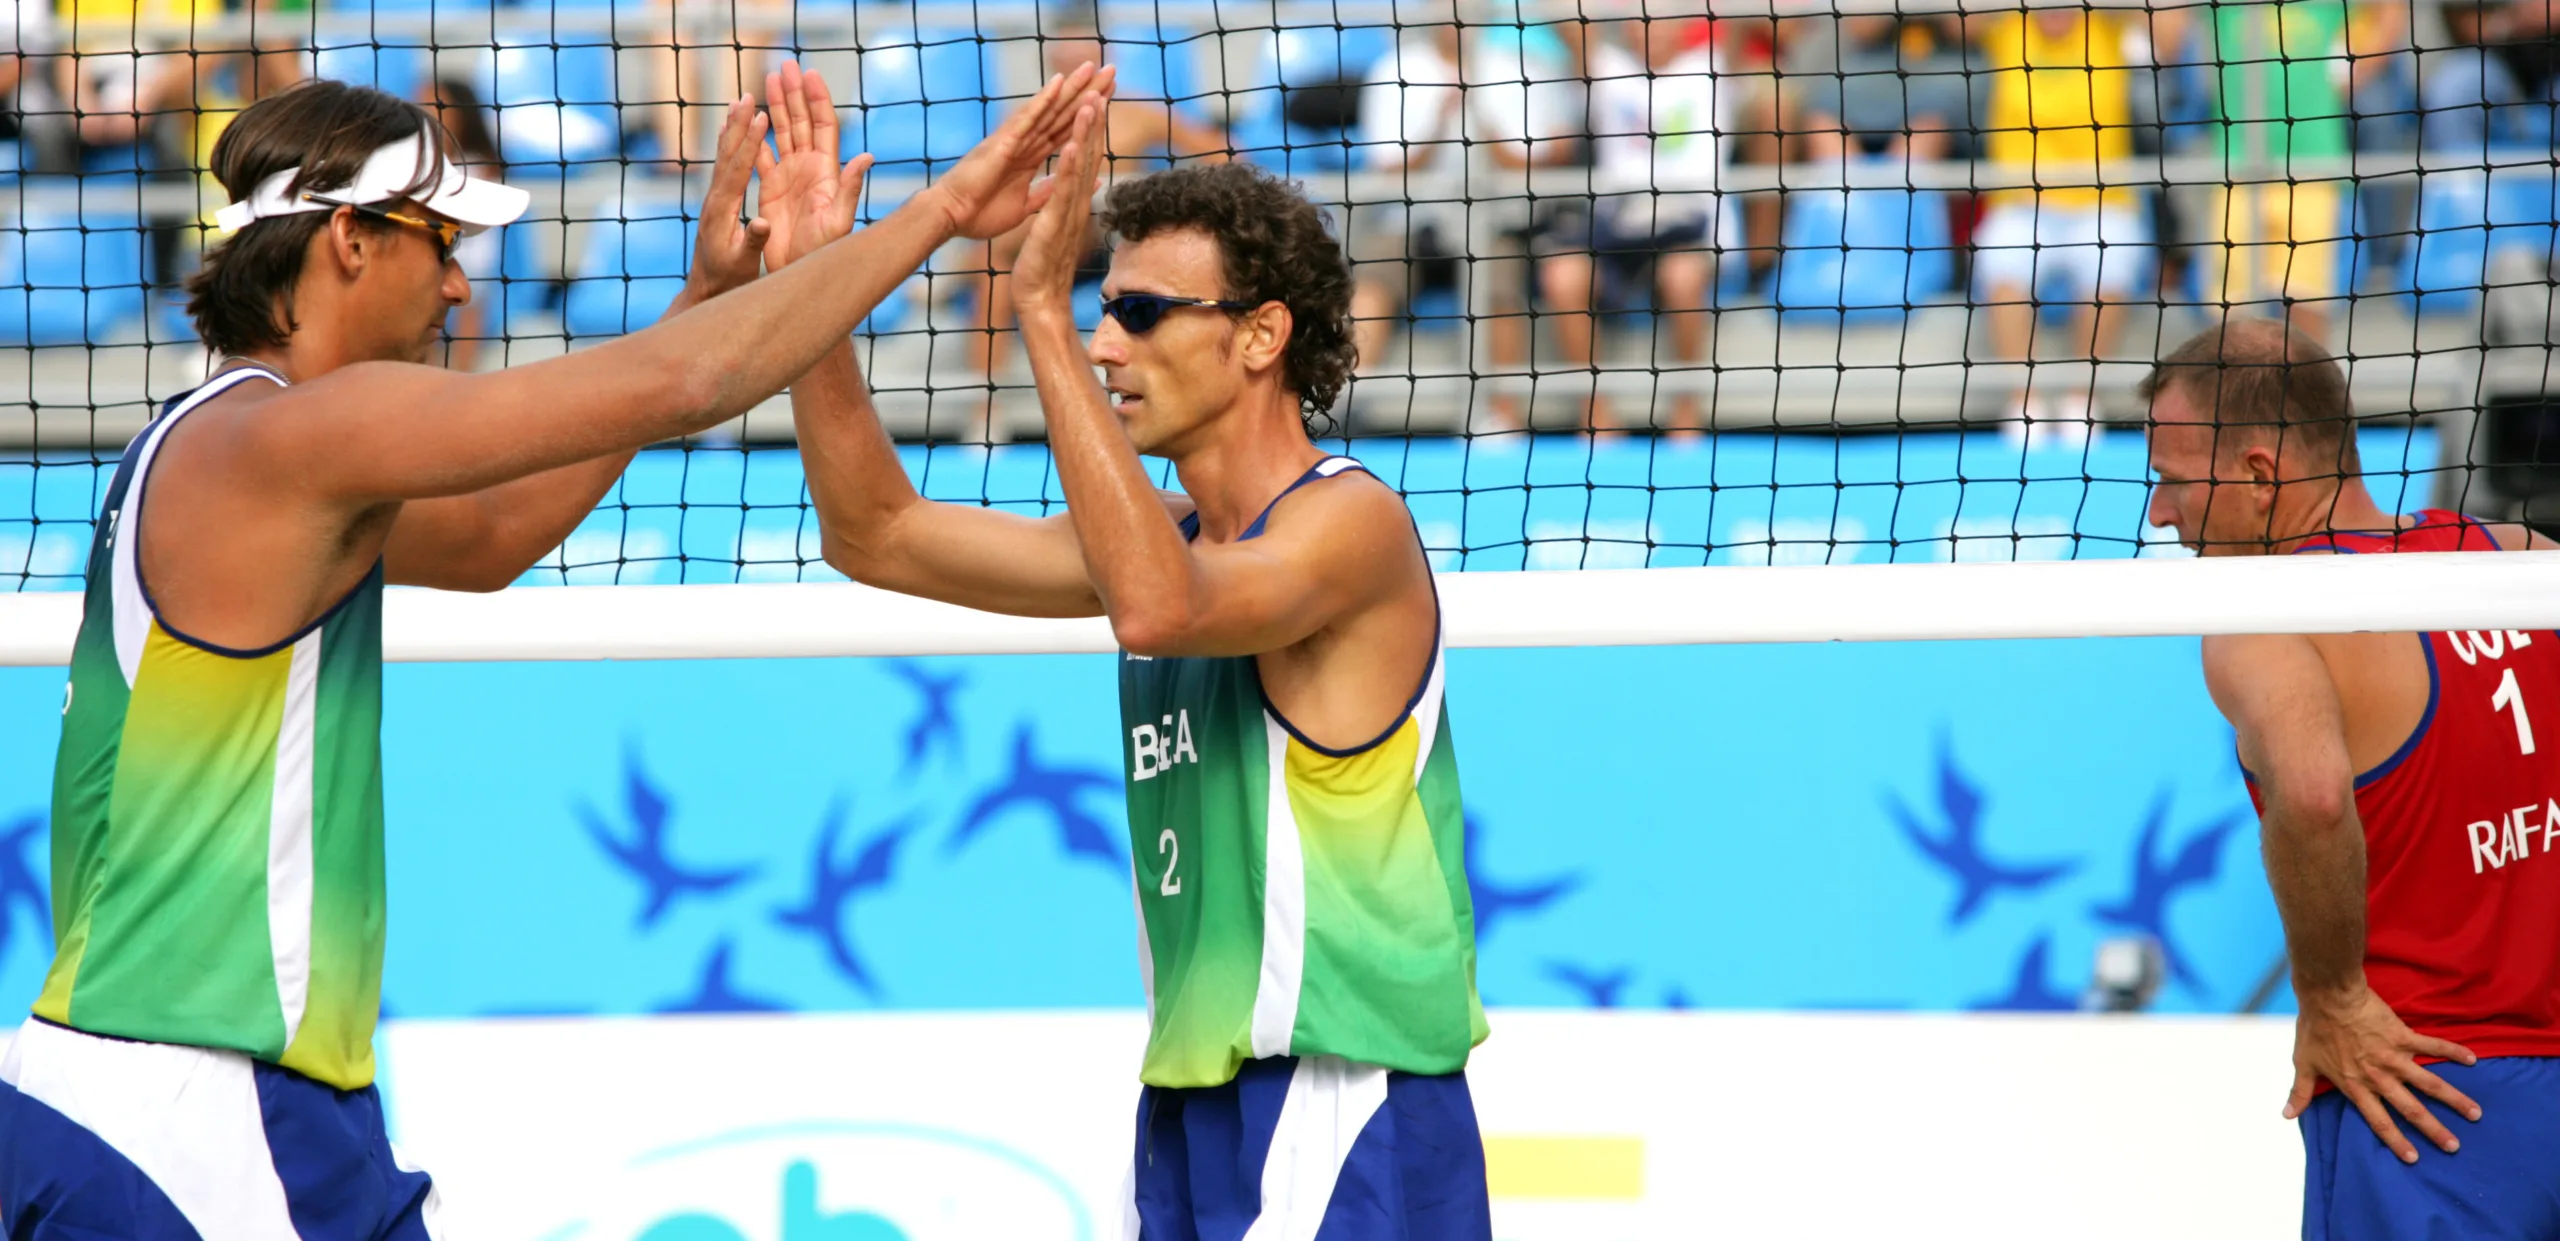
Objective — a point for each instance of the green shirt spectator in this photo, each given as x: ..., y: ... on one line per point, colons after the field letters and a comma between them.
x: 2284, y: 71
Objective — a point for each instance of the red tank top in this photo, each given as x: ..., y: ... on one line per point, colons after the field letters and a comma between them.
x: 2462, y: 887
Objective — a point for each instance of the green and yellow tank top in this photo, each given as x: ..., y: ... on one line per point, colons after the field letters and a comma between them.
x: 1294, y: 900
x: 217, y: 817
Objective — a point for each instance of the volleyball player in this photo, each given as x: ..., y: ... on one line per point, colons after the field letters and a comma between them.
x: 1305, y: 931
x: 2408, y: 811
x: 200, y: 1060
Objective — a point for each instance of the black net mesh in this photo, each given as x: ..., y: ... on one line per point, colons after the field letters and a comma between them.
x: 1812, y: 284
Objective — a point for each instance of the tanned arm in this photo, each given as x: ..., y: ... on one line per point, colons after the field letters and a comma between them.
x: 2282, y: 702
x: 873, y: 527
x: 429, y: 432
x: 1164, y: 594
x: 487, y: 539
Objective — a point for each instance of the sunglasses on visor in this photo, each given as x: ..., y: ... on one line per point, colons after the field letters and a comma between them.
x: 446, y: 231
x: 1141, y: 312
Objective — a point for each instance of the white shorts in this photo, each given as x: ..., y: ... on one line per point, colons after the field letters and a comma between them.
x: 110, y: 1138
x: 2088, y: 250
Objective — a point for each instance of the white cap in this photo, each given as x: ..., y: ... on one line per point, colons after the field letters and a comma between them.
x: 388, y: 174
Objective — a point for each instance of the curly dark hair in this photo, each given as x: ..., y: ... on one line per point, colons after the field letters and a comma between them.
x: 1277, y: 249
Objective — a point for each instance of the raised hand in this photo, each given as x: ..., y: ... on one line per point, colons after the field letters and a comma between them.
x: 728, y: 253
x: 993, y: 189
x: 2370, y: 1055
x: 1044, y: 274
x: 805, y: 199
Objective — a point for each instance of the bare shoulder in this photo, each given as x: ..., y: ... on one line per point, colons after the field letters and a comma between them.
x: 2244, y: 663
x: 1353, y: 509
x: 2517, y: 537
x: 1355, y: 528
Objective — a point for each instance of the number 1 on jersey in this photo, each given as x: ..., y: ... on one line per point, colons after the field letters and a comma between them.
x: 1169, y: 847
x: 2510, y: 695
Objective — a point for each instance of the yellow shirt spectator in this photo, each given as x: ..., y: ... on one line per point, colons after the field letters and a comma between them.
x: 2061, y: 100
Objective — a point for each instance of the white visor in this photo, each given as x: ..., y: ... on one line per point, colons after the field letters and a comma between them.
x: 388, y: 174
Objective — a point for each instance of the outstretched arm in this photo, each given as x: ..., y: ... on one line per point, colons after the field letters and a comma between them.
x: 487, y: 539
x: 428, y: 432
x: 872, y: 525
x: 2282, y: 702
x: 1346, y: 545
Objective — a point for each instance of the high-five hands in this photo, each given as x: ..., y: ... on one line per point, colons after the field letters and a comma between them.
x: 805, y: 199
x: 992, y: 190
x: 727, y: 252
x: 1044, y: 274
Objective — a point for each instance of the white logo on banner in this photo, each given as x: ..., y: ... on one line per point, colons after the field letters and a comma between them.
x: 837, y: 1181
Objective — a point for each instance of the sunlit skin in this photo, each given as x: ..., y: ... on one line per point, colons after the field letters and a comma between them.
x: 2230, y: 492
x: 1200, y: 362
x: 372, y: 291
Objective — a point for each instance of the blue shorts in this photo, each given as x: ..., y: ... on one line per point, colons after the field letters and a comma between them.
x: 103, y: 1137
x: 1312, y: 1147
x: 2503, y: 1183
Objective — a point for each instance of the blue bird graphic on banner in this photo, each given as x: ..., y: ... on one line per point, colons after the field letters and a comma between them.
x: 1599, y: 990
x: 934, y: 720
x: 714, y: 994
x: 644, y: 854
x: 18, y: 883
x: 1493, y: 902
x: 1958, y: 850
x: 2030, y: 992
x: 832, y: 888
x: 1055, y: 790
x: 2146, y: 908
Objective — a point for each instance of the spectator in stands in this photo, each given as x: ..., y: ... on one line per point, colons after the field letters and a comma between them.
x: 124, y: 88
x: 2060, y: 108
x: 1411, y: 128
x: 2283, y: 103
x: 30, y: 113
x: 2527, y: 34
x: 2469, y: 95
x: 1896, y: 85
x: 1747, y: 81
x: 2382, y: 93
x: 457, y: 107
x: 1527, y: 108
x: 1655, y: 154
x: 1139, y: 135
x: 2173, y: 117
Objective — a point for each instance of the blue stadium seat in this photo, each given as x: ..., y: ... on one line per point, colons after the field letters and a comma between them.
x: 69, y: 278
x: 555, y: 100
x: 2464, y: 217
x: 529, y: 285
x: 630, y: 269
x: 922, y: 104
x: 1868, y: 253
x: 400, y: 70
x: 1291, y: 59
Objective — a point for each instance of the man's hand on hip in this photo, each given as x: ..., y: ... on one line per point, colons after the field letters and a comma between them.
x: 2354, y: 1039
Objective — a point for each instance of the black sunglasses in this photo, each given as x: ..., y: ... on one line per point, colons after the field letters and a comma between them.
x: 1141, y: 312
x: 446, y: 231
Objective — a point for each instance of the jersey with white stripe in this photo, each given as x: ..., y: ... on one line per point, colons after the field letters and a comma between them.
x: 1294, y: 900
x: 217, y: 816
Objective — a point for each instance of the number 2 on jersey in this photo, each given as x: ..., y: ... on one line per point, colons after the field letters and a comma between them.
x: 1169, y: 847
x: 2509, y: 695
